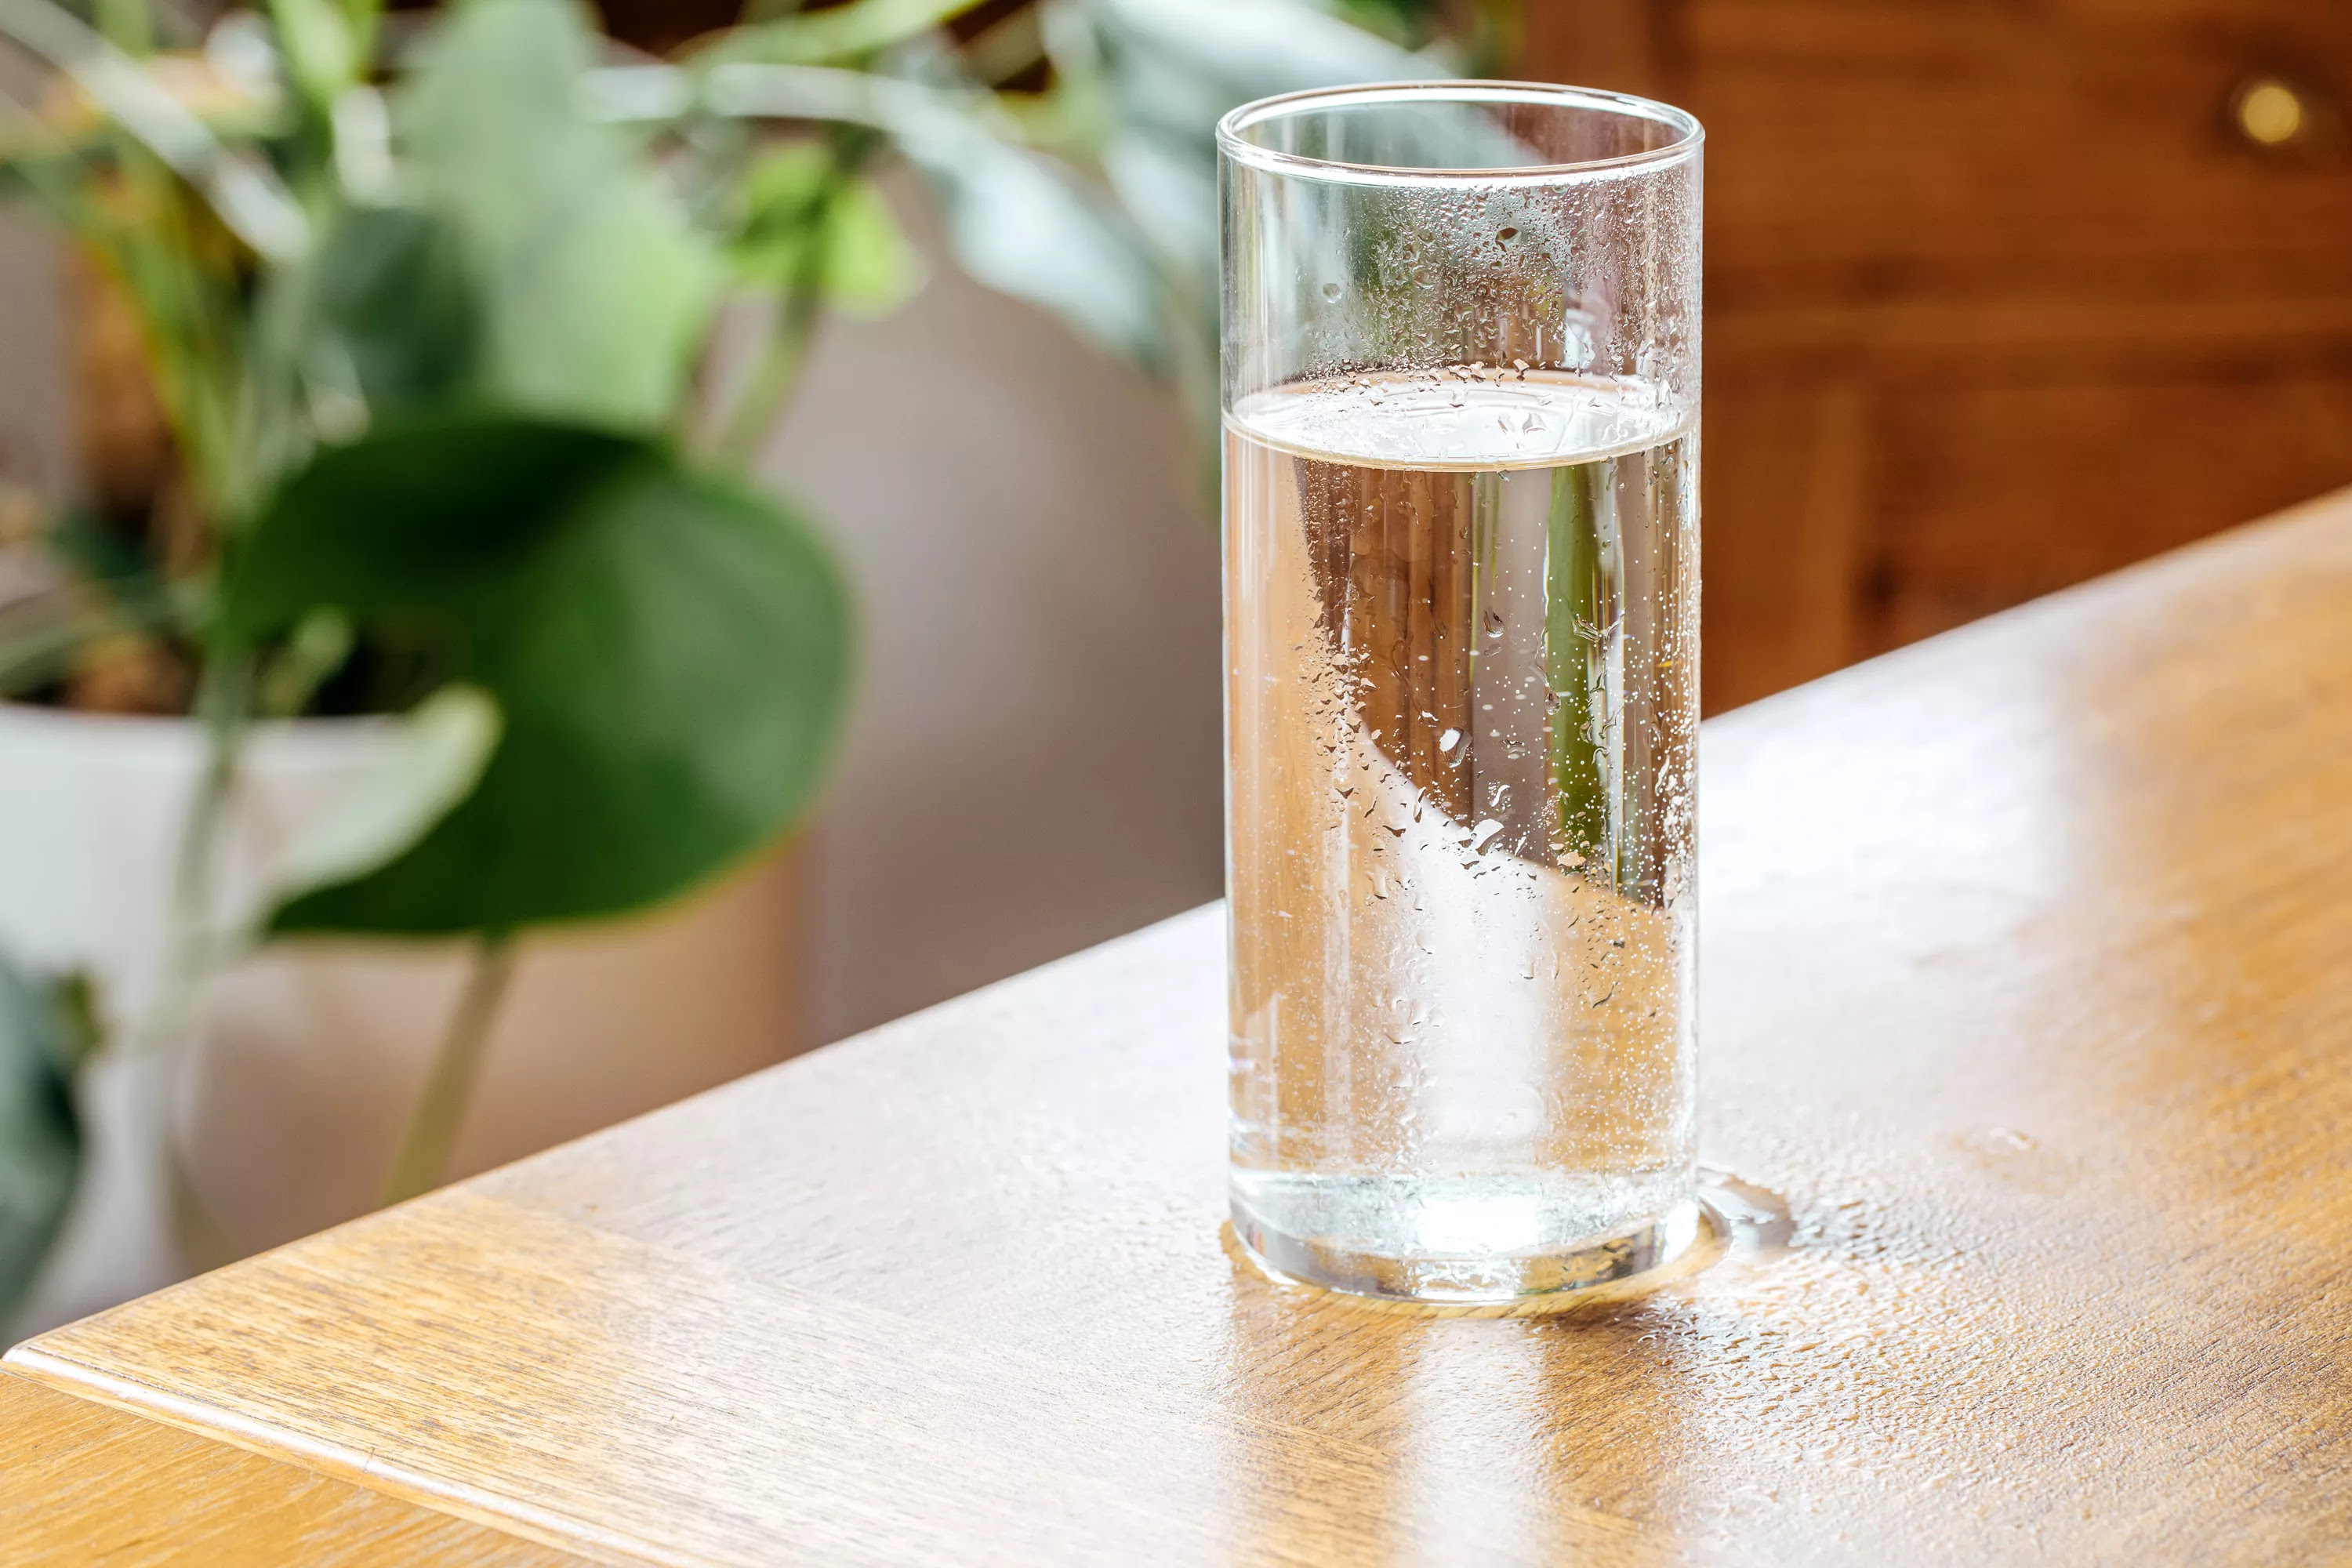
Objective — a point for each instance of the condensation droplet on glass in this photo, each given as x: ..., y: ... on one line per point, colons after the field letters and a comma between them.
x: 1448, y: 740
x: 1332, y: 292
x: 1494, y: 626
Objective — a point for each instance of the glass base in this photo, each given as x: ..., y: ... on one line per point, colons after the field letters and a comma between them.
x: 1458, y: 1275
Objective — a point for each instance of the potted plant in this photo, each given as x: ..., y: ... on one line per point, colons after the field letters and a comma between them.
x: 465, y: 328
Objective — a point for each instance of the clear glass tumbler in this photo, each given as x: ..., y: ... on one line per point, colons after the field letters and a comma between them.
x: 1461, y: 407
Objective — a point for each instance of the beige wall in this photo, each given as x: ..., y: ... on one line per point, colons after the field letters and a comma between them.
x: 1033, y: 767
x: 33, y: 417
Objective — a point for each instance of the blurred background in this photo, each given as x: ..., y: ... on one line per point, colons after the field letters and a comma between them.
x: 1999, y: 297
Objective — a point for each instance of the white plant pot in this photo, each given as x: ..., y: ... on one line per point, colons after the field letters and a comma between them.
x: 288, y: 1101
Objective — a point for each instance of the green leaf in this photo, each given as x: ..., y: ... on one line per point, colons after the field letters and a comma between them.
x: 323, y: 52
x: 1144, y: 83
x: 1406, y: 23
x: 1016, y: 220
x: 667, y: 653
x: 43, y: 1040
x: 1177, y: 66
x: 838, y: 32
x: 867, y: 267
x: 437, y: 755
x: 1142, y: 86
x: 596, y: 290
x: 320, y: 645
x: 1169, y: 188
x: 395, y: 294
x: 1167, y: 70
x: 246, y: 193
x: 1019, y: 223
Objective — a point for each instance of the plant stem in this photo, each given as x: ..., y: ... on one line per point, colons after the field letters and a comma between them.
x: 126, y: 25
x: 772, y: 381
x: 770, y: 385
x: 425, y: 1148
x: 223, y: 691
x: 838, y: 32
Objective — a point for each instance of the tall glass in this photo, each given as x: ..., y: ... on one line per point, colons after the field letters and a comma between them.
x: 1461, y: 405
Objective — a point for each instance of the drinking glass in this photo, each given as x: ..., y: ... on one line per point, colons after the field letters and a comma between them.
x: 1461, y: 384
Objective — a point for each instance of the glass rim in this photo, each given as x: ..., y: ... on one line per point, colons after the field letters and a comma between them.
x: 1232, y: 143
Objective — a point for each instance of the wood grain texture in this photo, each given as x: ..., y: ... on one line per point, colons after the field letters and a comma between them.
x: 1877, y: 152
x: 1997, y: 297
x: 2024, y: 987
x: 83, y: 1483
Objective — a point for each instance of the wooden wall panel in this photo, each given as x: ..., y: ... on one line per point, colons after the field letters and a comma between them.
x: 1783, y: 566
x: 1901, y: 149
x: 1993, y: 494
x: 1999, y: 295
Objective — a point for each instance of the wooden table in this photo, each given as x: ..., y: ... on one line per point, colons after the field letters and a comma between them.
x: 2028, y: 988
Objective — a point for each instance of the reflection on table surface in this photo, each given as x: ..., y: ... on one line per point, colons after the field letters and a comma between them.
x: 2024, y: 991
